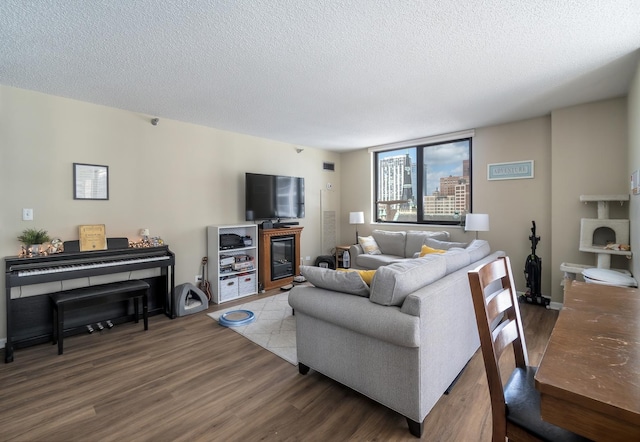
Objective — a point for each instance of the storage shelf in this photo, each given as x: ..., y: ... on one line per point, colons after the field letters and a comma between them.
x: 595, y: 249
x: 227, y: 286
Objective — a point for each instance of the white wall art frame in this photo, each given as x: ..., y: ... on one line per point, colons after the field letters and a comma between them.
x: 516, y: 170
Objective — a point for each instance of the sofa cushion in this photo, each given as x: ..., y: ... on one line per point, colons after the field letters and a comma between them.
x: 393, y: 283
x: 375, y: 261
x: 446, y: 245
x: 478, y: 249
x: 345, y: 282
x: 415, y: 240
x: 390, y: 243
x: 369, y: 245
x: 456, y: 259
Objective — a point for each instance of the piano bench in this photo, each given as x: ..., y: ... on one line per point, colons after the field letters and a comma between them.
x: 96, y: 295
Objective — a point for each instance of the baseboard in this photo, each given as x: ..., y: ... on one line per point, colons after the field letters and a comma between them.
x: 555, y: 305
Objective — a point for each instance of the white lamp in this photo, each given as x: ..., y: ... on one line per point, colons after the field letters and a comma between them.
x: 356, y: 218
x: 477, y: 222
x: 144, y: 233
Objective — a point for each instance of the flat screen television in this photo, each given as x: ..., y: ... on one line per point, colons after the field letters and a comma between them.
x: 273, y: 197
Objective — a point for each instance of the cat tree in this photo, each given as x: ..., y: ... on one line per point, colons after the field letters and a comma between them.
x: 603, y: 236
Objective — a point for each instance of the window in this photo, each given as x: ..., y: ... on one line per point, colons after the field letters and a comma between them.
x: 429, y: 183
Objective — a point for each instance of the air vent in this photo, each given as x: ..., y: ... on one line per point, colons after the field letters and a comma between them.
x: 329, y: 166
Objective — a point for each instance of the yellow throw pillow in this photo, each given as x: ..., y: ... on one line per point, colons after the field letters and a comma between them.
x: 426, y: 250
x: 366, y: 275
x: 369, y: 245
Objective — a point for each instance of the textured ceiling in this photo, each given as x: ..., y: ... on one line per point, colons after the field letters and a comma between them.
x: 333, y: 74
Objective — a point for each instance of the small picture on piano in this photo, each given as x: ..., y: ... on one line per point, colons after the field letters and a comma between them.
x: 92, y: 237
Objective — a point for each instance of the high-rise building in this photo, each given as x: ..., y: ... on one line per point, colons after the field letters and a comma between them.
x: 395, y: 186
x: 394, y: 181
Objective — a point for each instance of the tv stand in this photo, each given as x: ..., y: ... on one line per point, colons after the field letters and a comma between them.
x: 267, y: 266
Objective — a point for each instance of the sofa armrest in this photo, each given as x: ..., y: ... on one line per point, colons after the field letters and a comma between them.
x: 354, y: 251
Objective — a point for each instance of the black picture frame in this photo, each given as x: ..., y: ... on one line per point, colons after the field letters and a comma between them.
x: 90, y: 182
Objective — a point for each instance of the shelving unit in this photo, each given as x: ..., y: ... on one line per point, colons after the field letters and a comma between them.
x: 233, y: 272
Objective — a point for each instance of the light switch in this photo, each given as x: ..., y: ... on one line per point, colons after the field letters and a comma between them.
x: 27, y: 214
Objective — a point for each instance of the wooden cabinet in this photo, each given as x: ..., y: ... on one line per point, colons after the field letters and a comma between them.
x: 266, y: 273
x: 232, y: 265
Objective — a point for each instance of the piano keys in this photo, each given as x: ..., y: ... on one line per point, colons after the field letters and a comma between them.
x: 29, y: 317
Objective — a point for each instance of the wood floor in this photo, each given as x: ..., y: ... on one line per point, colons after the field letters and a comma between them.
x: 189, y: 379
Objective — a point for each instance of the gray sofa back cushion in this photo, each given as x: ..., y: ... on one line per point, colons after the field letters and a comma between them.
x: 456, y: 259
x: 444, y: 245
x: 478, y: 249
x: 339, y: 281
x: 390, y: 243
x: 393, y: 283
x: 416, y: 238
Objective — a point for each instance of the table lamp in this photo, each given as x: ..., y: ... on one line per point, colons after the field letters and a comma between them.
x: 476, y: 222
x: 356, y: 218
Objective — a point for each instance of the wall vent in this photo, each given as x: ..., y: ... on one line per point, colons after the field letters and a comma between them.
x: 329, y: 166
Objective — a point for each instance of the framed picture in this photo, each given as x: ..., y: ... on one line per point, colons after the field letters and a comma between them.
x: 510, y: 171
x: 90, y: 182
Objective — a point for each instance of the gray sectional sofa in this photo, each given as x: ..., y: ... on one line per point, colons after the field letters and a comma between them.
x: 394, y: 246
x: 401, y: 342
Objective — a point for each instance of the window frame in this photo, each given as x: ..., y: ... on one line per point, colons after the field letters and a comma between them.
x: 420, y: 146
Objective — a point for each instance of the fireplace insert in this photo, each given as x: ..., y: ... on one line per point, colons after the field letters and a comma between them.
x: 282, y: 257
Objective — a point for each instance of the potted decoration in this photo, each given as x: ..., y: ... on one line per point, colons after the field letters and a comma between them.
x: 33, y: 238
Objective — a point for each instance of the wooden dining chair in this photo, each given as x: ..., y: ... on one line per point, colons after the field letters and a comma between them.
x: 515, y: 406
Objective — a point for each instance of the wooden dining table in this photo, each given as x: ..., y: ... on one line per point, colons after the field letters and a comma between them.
x: 589, y: 375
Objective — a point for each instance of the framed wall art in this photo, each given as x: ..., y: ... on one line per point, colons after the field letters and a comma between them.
x: 510, y: 171
x: 90, y: 182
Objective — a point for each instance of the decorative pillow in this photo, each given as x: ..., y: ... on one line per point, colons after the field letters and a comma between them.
x: 426, y: 250
x: 369, y: 245
x: 444, y: 245
x: 344, y: 282
x: 366, y: 275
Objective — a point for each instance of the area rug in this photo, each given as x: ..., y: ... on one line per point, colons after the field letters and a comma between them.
x: 274, y: 328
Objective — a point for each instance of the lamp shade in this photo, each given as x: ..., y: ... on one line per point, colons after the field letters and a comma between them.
x: 144, y: 232
x: 477, y: 222
x: 356, y: 217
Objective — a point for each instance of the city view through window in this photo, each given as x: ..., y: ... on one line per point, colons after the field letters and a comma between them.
x: 432, y: 181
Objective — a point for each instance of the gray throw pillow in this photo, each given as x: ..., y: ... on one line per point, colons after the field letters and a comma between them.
x: 338, y: 281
